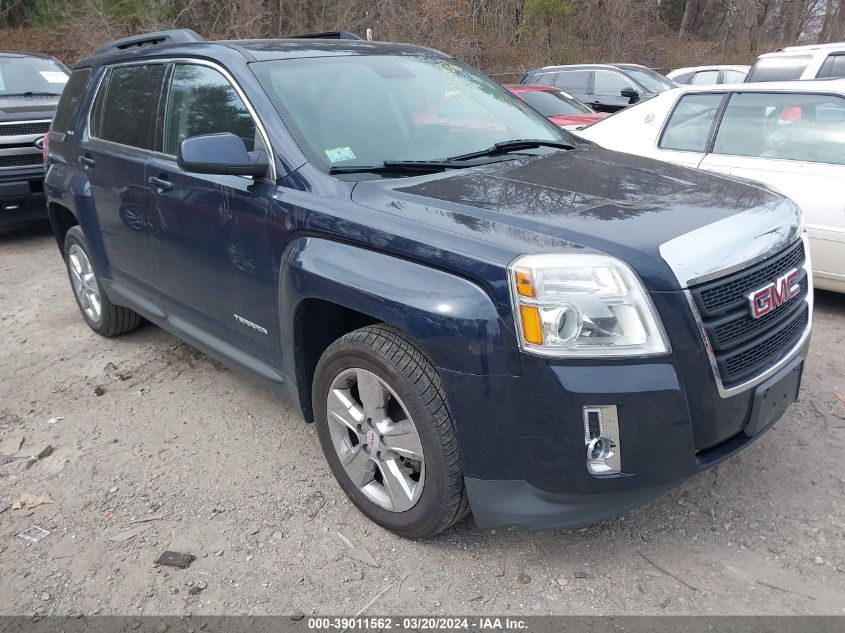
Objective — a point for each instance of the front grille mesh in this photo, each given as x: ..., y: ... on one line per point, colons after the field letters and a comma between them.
x: 723, y: 294
x: 744, y: 346
x: 21, y: 160
x: 22, y: 129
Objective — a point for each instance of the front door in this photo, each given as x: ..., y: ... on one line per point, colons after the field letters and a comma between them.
x: 114, y: 153
x: 212, y: 232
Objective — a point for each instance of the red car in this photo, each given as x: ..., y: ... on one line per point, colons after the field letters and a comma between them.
x: 561, y: 108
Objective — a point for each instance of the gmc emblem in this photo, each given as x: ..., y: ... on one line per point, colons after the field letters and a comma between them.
x: 775, y: 294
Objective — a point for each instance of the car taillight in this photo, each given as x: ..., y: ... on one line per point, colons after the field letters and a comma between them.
x: 44, y: 146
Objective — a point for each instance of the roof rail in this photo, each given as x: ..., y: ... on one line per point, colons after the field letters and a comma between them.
x: 327, y: 35
x: 173, y: 36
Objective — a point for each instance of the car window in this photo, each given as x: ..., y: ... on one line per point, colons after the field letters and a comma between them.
x: 126, y: 105
x: 573, y: 81
x: 22, y: 75
x: 543, y: 79
x: 781, y: 68
x: 733, y: 76
x: 367, y: 109
x: 202, y: 101
x: 705, y: 78
x: 553, y: 103
x: 682, y: 79
x: 689, y: 125
x: 787, y: 126
x: 610, y: 84
x: 651, y: 80
x: 72, y: 95
x: 834, y: 66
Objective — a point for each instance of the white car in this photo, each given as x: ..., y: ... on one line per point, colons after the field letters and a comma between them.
x: 815, y: 61
x: 707, y: 75
x: 788, y: 135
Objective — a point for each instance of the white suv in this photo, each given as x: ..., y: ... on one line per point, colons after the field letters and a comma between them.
x: 816, y: 61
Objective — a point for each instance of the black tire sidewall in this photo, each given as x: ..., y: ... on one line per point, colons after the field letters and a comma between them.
x: 76, y: 236
x: 420, y: 519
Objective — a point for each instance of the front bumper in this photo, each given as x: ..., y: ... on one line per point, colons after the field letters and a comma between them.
x: 522, y: 438
x: 22, y: 196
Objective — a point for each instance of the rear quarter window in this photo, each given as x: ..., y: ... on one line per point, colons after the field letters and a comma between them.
x: 688, y: 129
x: 784, y: 68
x: 71, y: 99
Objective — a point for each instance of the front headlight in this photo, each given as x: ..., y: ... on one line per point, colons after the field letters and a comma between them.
x: 583, y: 305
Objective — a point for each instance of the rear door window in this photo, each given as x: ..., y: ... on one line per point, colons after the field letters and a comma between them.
x: 834, y: 66
x: 782, y: 68
x: 202, y: 101
x: 126, y: 105
x: 72, y: 95
x: 786, y: 126
x: 689, y: 125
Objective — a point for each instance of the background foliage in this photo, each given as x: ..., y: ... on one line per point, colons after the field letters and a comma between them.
x: 496, y: 35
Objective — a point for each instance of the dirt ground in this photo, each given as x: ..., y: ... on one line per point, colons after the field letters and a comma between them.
x: 145, y: 428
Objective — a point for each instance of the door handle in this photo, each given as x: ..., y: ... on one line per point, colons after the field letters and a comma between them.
x: 162, y: 185
x: 87, y: 162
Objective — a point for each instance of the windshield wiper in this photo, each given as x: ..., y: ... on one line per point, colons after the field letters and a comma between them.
x: 510, y: 146
x: 31, y: 93
x: 397, y: 166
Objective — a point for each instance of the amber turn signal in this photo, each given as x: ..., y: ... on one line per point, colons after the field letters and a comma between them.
x: 532, y: 329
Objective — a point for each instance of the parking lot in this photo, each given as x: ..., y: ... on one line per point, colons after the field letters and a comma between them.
x: 157, y: 447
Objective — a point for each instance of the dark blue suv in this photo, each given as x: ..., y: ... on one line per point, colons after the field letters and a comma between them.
x: 478, y: 310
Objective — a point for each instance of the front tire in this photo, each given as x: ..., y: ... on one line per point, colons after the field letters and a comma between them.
x: 387, y: 434
x: 101, y: 315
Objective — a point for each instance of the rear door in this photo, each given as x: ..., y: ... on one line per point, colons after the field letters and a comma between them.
x: 211, y: 237
x: 796, y: 143
x: 113, y: 153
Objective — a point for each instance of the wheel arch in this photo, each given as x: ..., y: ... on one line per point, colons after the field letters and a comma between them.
x: 61, y: 220
x: 328, y: 289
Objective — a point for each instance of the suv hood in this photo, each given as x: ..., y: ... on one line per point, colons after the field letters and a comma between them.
x: 18, y: 108
x: 623, y: 205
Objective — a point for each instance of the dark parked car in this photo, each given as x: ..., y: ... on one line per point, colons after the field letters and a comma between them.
x: 603, y: 87
x: 476, y: 309
x: 30, y: 86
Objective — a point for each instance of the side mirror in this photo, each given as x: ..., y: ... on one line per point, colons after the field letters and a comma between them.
x: 631, y: 94
x: 222, y: 154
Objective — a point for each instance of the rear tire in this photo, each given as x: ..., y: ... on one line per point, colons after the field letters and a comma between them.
x: 101, y: 315
x: 405, y: 462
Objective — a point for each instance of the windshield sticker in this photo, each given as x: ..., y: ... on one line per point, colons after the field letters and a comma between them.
x: 2, y: 83
x: 54, y: 76
x: 339, y: 154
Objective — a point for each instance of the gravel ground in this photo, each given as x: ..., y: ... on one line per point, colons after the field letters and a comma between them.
x: 145, y: 428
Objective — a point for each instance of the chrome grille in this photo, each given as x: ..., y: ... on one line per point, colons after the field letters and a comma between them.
x: 744, y: 346
x: 24, y: 128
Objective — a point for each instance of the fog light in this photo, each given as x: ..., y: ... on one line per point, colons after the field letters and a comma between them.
x: 601, y: 438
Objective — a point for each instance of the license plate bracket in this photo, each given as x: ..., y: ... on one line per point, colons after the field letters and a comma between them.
x: 773, y: 397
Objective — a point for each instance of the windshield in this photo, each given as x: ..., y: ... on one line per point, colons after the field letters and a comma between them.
x: 654, y: 82
x: 20, y: 75
x: 553, y: 103
x: 367, y: 109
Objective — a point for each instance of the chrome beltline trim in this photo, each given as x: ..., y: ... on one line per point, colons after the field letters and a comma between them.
x: 733, y: 243
x: 726, y: 392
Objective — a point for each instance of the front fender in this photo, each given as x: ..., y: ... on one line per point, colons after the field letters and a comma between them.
x: 453, y: 319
